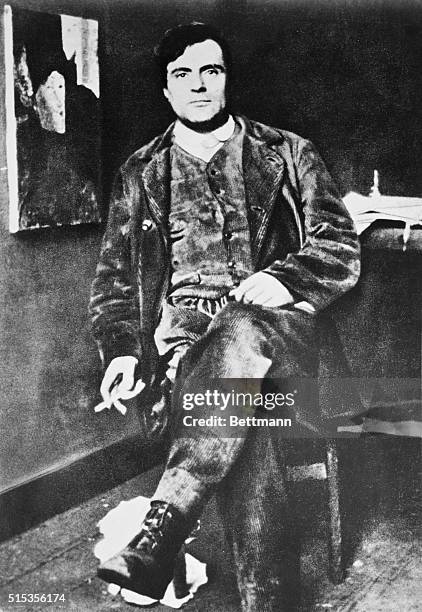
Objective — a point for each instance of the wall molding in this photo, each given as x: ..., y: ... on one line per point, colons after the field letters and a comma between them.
x: 34, y: 501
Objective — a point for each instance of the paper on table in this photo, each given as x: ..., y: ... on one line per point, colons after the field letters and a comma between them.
x: 408, y: 429
x: 366, y: 210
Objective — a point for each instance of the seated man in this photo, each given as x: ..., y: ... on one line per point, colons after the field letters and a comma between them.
x: 225, y: 238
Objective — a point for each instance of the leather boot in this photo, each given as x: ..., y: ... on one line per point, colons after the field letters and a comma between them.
x: 147, y: 564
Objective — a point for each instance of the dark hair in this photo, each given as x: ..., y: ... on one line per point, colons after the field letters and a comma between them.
x: 175, y: 41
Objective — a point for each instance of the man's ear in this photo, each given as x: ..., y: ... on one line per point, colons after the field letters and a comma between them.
x: 166, y: 93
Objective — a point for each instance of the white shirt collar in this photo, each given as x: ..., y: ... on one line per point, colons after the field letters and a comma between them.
x: 203, y: 145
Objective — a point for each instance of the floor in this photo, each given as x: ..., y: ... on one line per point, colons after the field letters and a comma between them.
x: 383, y: 544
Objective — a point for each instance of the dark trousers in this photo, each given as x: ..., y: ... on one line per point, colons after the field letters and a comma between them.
x: 241, y: 342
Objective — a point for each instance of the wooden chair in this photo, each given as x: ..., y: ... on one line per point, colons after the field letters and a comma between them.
x: 326, y: 470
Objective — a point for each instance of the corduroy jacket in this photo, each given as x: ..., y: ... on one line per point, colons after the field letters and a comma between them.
x: 300, y: 232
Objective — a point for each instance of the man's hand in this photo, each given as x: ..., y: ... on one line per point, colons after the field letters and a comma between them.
x: 262, y: 289
x: 119, y: 384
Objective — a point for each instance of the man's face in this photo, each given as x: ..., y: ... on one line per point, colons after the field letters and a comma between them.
x: 196, y: 83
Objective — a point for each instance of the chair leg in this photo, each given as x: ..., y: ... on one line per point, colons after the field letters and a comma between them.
x: 335, y: 557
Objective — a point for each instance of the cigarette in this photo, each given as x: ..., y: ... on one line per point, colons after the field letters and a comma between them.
x: 406, y: 235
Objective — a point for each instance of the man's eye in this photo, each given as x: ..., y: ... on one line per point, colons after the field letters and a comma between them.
x: 180, y: 75
x: 212, y: 71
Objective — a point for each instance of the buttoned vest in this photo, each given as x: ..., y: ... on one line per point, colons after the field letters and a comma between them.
x: 209, y: 229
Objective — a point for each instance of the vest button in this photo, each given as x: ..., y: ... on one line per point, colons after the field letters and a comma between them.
x: 214, y: 172
x: 231, y: 265
x: 228, y: 235
x: 146, y: 225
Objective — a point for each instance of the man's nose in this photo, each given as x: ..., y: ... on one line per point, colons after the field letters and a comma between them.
x: 197, y: 83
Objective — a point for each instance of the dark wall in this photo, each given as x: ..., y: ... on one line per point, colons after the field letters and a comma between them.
x: 49, y: 374
x: 348, y: 75
x: 345, y: 74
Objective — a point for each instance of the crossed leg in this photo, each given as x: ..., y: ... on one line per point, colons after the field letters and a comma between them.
x: 241, y: 342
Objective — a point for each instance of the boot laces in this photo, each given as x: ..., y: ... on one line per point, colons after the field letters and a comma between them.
x: 152, y: 527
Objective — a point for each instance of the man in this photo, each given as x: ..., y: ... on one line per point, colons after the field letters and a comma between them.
x: 225, y: 239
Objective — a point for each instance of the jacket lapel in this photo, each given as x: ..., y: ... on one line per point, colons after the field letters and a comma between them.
x: 263, y: 170
x: 156, y: 177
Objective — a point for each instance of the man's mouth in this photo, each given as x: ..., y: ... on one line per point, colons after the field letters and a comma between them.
x: 200, y: 102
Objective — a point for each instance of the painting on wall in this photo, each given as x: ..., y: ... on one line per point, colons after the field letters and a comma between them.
x: 52, y: 119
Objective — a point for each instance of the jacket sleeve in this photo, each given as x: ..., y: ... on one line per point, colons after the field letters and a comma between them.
x: 114, y: 303
x: 328, y: 262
